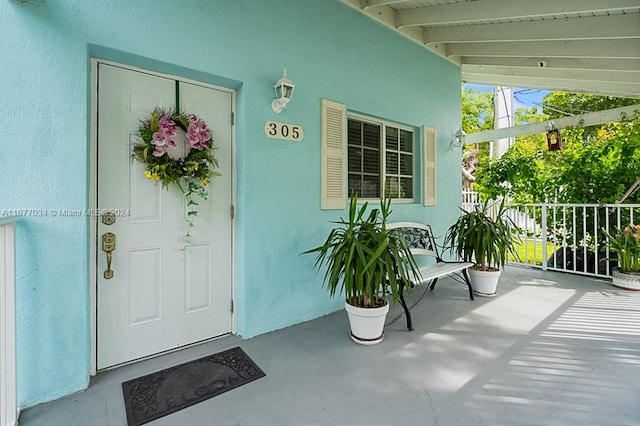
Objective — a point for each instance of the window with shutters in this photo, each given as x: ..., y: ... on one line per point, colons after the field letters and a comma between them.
x: 380, y: 155
x: 370, y: 156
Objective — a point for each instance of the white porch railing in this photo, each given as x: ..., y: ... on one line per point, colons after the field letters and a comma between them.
x: 565, y: 237
x: 570, y: 237
x: 8, y: 405
x: 470, y: 200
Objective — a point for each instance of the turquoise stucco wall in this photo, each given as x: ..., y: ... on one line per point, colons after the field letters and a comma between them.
x: 330, y: 51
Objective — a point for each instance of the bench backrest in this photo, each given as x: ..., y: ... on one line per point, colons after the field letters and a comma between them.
x: 419, y: 238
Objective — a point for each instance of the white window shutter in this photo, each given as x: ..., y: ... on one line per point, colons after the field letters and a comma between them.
x: 334, y: 155
x: 429, y: 149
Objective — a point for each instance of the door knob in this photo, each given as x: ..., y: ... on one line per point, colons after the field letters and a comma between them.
x: 108, y: 246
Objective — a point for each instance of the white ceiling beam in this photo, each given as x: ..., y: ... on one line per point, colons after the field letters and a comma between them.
x: 365, y: 4
x: 512, y: 80
x: 596, y: 27
x: 592, y: 90
x: 588, y: 119
x: 629, y: 77
x: 557, y: 63
x: 492, y: 10
x: 627, y: 48
x: 621, y: 89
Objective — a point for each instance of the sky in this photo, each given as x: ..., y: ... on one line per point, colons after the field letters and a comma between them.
x: 522, y: 97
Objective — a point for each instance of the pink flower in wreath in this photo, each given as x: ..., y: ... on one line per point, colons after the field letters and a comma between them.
x: 168, y: 129
x: 198, y: 134
x: 165, y: 136
x: 159, y: 139
x: 166, y: 124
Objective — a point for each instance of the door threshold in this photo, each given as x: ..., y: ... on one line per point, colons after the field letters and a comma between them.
x: 148, y: 364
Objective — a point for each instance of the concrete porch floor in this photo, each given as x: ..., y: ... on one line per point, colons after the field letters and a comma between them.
x: 550, y: 349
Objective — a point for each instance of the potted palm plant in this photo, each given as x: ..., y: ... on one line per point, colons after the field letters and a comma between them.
x: 625, y: 243
x: 484, y: 236
x: 365, y: 261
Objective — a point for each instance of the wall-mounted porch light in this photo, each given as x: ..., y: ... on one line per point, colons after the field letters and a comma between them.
x: 554, y: 139
x: 284, y: 91
x: 458, y: 138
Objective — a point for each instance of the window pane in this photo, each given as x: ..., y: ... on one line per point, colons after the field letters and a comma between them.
x: 355, y: 159
x: 406, y: 164
x: 392, y: 138
x: 406, y: 187
x: 355, y: 184
x: 371, y: 161
x: 392, y: 162
x: 355, y: 133
x: 371, y: 135
x: 406, y: 141
x: 370, y: 187
x: 392, y: 187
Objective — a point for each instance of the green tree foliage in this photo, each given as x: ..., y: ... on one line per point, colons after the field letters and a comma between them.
x: 595, y: 166
x: 477, y: 116
x: 601, y: 170
x: 516, y: 174
x: 477, y: 110
x: 562, y: 104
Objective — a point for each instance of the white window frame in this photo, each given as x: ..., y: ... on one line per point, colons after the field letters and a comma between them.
x: 383, y: 151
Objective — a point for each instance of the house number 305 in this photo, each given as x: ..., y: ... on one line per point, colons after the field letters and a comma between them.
x: 284, y: 131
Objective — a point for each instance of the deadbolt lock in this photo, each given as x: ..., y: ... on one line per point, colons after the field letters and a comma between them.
x: 109, y: 218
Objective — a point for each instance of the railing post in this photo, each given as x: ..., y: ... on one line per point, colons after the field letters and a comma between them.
x: 544, y: 237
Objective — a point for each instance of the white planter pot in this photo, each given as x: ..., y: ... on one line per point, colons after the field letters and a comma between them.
x: 367, y: 324
x: 485, y: 283
x: 625, y: 280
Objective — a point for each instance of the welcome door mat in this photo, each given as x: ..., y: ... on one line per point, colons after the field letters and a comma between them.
x: 155, y: 395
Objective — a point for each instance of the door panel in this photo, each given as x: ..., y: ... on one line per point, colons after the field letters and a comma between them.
x: 162, y: 295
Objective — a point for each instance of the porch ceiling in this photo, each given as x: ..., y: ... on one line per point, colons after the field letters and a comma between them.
x: 590, y: 46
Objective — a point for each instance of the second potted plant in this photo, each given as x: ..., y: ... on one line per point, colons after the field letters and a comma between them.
x: 483, y: 236
x: 365, y: 261
x: 625, y: 243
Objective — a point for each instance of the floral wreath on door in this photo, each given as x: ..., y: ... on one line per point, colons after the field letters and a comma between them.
x: 190, y: 169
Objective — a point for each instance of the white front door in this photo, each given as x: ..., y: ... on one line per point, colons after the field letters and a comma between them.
x: 162, y: 295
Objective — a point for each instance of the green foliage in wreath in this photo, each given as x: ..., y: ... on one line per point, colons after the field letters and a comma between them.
x: 190, y: 171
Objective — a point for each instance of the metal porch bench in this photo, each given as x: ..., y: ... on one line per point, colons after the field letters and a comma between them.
x: 421, y: 242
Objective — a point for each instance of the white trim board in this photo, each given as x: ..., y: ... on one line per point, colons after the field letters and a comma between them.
x: 8, y: 402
